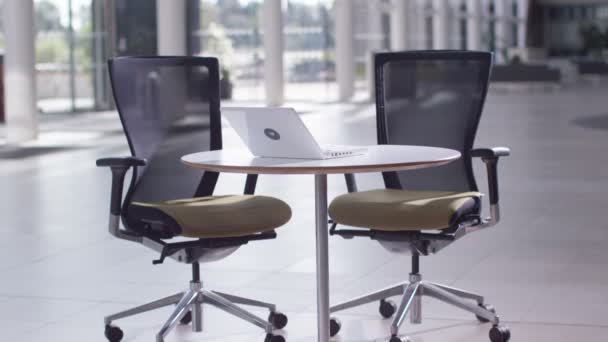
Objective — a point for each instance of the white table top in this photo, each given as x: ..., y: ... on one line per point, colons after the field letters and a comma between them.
x: 377, y: 158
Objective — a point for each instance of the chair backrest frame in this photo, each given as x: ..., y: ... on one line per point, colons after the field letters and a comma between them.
x: 123, y: 68
x: 481, y: 60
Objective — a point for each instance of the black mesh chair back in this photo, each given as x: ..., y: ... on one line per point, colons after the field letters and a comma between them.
x: 431, y: 98
x: 169, y: 107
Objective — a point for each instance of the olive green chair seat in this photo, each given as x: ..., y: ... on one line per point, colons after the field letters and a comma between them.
x: 403, y: 210
x: 224, y: 216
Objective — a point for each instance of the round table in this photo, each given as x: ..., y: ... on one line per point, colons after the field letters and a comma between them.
x: 377, y: 158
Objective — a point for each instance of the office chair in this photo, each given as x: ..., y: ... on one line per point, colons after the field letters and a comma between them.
x: 432, y: 98
x: 169, y: 107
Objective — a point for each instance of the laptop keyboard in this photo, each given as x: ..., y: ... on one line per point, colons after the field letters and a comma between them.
x: 330, y: 153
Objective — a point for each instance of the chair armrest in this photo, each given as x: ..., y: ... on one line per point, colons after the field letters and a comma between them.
x: 490, y: 157
x: 120, y: 162
x: 493, y: 152
x: 119, y: 168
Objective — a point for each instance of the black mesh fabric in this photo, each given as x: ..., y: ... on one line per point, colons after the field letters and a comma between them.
x: 169, y: 107
x: 432, y: 98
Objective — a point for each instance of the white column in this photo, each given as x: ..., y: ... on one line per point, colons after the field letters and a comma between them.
x: 474, y: 25
x: 345, y: 62
x: 522, y: 16
x: 502, y: 32
x: 399, y: 24
x: 440, y: 24
x: 419, y: 18
x: 19, y: 71
x: 171, y: 27
x: 273, y: 52
x: 412, y: 25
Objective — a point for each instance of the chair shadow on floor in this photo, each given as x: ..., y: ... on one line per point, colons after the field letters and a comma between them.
x: 599, y: 122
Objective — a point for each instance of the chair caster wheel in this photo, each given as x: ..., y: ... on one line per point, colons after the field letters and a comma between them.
x: 500, y: 334
x: 399, y: 339
x: 387, y: 308
x: 487, y: 307
x: 334, y: 326
x: 113, y: 333
x: 274, y: 338
x: 278, y: 320
x: 186, y: 319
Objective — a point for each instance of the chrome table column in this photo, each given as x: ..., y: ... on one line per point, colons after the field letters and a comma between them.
x: 322, y: 257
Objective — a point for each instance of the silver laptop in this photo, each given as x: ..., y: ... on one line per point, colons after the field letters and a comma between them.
x: 280, y: 133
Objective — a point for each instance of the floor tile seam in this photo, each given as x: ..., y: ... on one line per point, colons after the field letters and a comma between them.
x: 451, y: 319
x: 472, y: 266
x: 524, y: 322
x: 560, y: 324
x: 453, y: 324
x: 49, y: 298
x: 31, y: 332
x: 51, y: 255
x: 259, y: 275
x: 370, y: 272
x: 66, y: 317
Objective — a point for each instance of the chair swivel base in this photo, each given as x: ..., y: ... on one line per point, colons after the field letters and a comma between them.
x: 189, y: 309
x: 411, y: 302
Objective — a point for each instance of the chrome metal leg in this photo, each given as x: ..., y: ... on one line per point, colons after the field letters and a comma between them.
x: 461, y: 293
x: 322, y: 257
x: 196, y: 308
x: 394, y: 290
x: 408, y: 297
x: 157, y: 304
x: 416, y: 310
x: 434, y: 291
x: 180, y: 310
x: 246, y: 301
x: 231, y: 308
x: 197, y: 314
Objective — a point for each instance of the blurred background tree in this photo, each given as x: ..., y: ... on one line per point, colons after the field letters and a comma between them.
x: 51, y: 35
x: 48, y: 17
x: 594, y: 41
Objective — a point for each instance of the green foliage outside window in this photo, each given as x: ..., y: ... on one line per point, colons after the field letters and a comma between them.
x: 52, y: 37
x: 594, y: 40
x: 52, y: 48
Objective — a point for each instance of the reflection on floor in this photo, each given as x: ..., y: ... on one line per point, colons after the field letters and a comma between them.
x: 543, y: 267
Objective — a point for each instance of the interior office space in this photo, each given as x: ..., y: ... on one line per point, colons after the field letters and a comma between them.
x: 64, y: 276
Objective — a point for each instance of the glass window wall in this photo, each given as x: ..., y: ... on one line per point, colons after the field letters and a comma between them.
x: 230, y: 30
x: 70, y: 58
x: 310, y: 69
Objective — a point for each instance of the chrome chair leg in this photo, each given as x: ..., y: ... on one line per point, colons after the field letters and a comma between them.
x: 196, y: 308
x: 157, y: 304
x: 222, y: 303
x: 416, y: 310
x: 411, y: 292
x: 192, y: 302
x: 436, y: 292
x: 461, y: 293
x: 180, y: 310
x: 390, y: 291
x: 246, y: 301
x: 411, y: 302
x: 197, y: 314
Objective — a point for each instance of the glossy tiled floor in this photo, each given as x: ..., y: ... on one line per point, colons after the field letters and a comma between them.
x: 543, y: 267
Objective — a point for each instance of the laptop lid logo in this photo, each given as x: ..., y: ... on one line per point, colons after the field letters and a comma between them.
x: 272, y: 134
